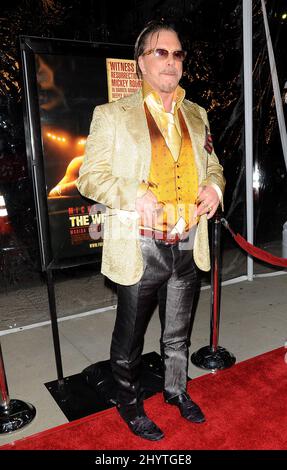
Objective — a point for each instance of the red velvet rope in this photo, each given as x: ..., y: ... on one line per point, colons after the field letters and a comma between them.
x: 254, y: 250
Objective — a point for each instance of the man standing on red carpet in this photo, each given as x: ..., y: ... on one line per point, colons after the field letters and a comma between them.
x: 149, y: 158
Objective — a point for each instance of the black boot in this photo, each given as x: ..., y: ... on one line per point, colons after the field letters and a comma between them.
x: 139, y: 423
x: 188, y: 409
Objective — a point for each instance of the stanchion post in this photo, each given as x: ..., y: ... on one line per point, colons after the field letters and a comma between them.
x: 214, y: 357
x: 14, y: 414
x: 215, y: 284
x: 4, y: 395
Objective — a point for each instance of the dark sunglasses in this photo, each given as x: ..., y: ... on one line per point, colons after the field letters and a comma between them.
x: 164, y: 53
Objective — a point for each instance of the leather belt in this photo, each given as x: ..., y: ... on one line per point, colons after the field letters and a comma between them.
x: 161, y: 237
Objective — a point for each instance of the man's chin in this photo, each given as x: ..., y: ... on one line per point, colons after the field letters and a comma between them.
x: 168, y: 87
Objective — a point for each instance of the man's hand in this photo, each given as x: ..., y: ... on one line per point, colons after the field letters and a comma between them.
x: 207, y: 201
x: 148, y: 208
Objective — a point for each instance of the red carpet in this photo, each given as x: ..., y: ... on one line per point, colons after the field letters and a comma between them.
x: 245, y: 407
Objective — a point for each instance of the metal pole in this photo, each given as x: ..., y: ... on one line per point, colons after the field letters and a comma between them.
x: 215, y: 285
x: 14, y: 414
x: 275, y: 83
x: 214, y: 357
x: 279, y: 108
x: 248, y: 114
x: 55, y: 329
x: 4, y: 394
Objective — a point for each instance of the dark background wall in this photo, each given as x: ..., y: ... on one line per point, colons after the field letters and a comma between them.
x: 212, y: 33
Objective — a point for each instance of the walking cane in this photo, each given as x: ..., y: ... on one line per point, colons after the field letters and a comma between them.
x: 14, y: 414
x: 214, y: 357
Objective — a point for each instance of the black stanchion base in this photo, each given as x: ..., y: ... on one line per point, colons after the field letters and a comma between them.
x: 17, y: 415
x: 207, y: 358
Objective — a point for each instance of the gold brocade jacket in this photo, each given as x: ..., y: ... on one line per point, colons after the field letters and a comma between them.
x: 117, y: 159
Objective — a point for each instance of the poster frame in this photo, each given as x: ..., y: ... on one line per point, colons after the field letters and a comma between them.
x: 29, y: 47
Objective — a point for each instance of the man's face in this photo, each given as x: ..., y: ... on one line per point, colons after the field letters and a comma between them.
x: 163, y: 74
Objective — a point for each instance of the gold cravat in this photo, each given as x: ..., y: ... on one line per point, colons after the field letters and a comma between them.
x: 171, y: 134
x: 166, y: 124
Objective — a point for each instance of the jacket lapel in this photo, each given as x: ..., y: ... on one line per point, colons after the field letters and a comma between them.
x: 196, y: 129
x: 134, y: 120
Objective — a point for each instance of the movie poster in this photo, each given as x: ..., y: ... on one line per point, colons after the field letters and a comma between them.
x: 122, y: 78
x: 69, y: 88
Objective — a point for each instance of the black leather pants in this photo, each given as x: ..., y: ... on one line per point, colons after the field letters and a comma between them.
x: 170, y: 278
